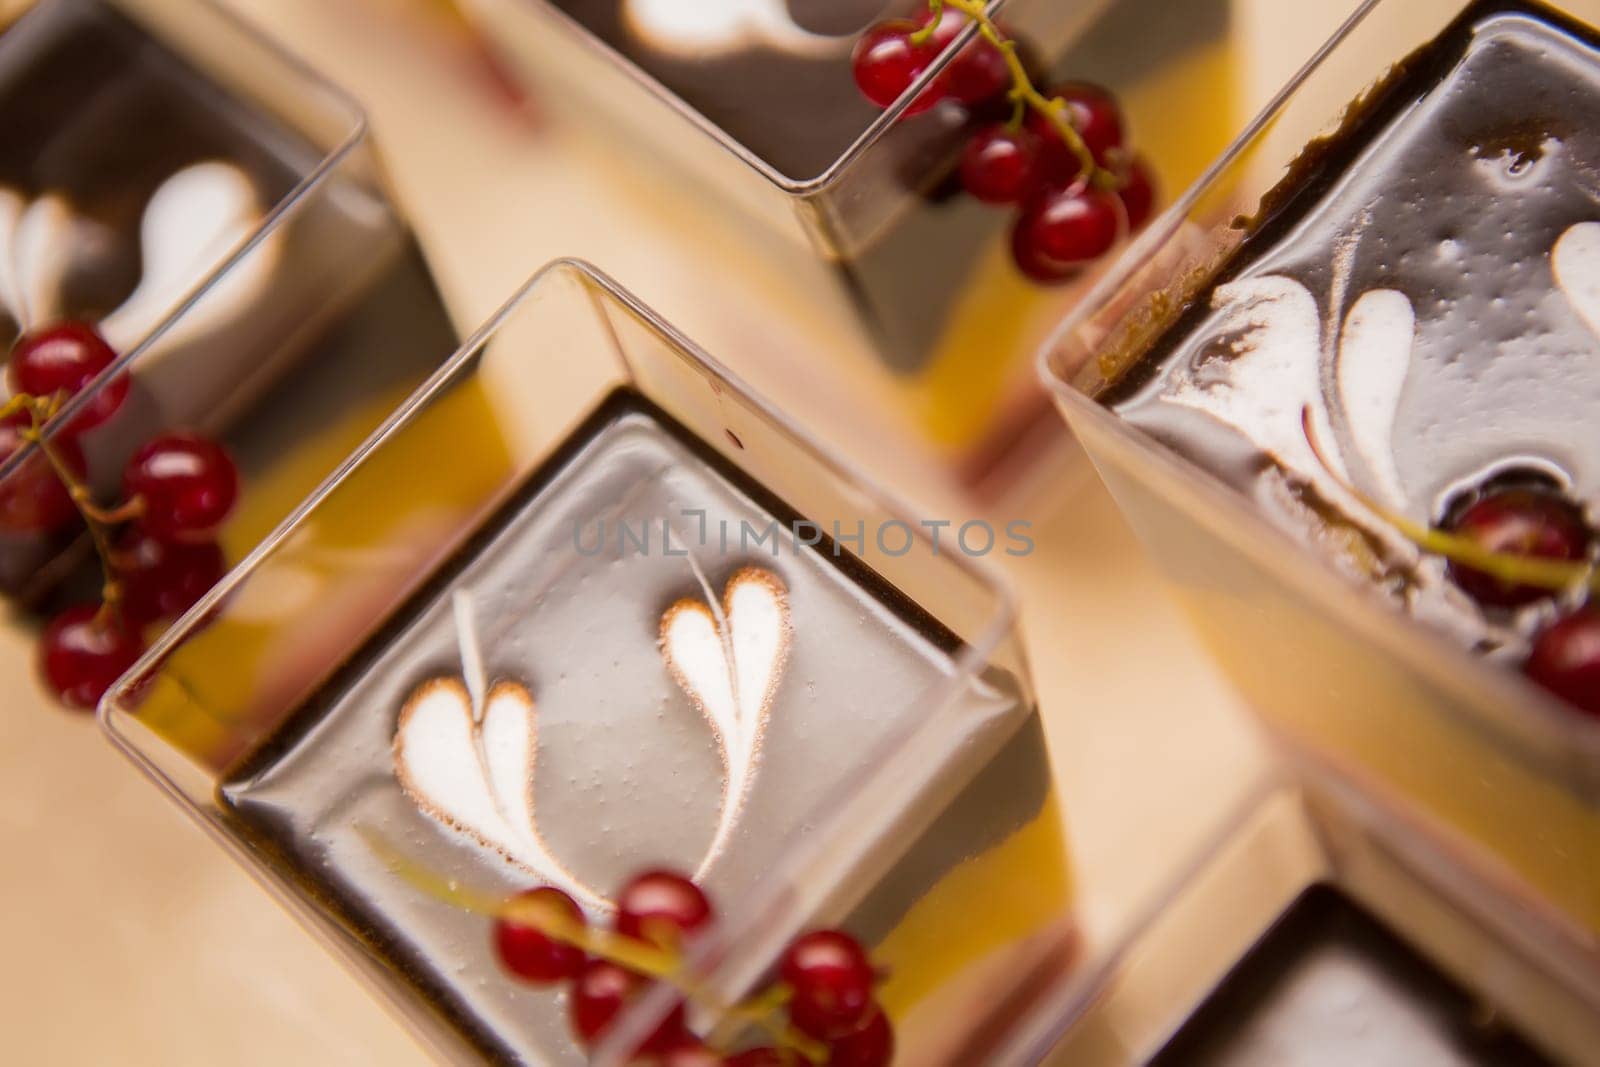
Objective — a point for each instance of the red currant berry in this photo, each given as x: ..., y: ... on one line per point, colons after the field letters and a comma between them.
x: 83, y: 651
x: 831, y: 981
x: 600, y: 994
x: 1094, y: 113
x: 886, y: 63
x: 1033, y: 263
x: 188, y: 485
x: 1565, y: 659
x: 530, y: 953
x: 33, y: 498
x: 1073, y: 226
x: 870, y: 1046
x: 64, y: 358
x: 1138, y: 193
x: 999, y: 165
x: 1519, y: 521
x: 164, y: 579
x: 979, y: 73
x: 759, y: 1057
x: 662, y: 908
x: 949, y: 28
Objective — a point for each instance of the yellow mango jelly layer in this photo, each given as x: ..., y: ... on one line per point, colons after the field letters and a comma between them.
x: 1179, y: 120
x: 317, y: 597
x: 1378, y: 724
x: 989, y: 905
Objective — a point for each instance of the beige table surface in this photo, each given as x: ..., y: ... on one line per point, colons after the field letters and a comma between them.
x: 128, y: 939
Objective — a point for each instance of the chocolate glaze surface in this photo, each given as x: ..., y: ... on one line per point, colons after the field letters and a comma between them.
x: 1427, y: 290
x: 1330, y: 985
x: 100, y: 112
x: 628, y: 777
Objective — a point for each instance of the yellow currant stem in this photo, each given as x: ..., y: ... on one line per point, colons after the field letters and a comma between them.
x: 637, y: 956
x: 792, y: 1040
x: 40, y: 411
x: 1552, y: 574
x: 125, y: 512
x: 1019, y: 112
x: 1023, y: 92
x: 773, y: 998
x: 762, y: 1010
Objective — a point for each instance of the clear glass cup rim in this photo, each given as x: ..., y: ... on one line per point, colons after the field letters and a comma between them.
x: 799, y: 188
x: 1079, y: 994
x: 355, y: 134
x: 770, y: 895
x: 1165, y: 225
x: 1430, y: 651
x: 1069, y: 999
x: 974, y: 652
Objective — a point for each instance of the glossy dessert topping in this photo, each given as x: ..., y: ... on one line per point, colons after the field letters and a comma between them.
x: 1415, y: 319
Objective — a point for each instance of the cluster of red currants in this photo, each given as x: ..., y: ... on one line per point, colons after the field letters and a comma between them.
x: 160, y: 548
x: 1531, y: 519
x: 1069, y: 213
x: 826, y: 980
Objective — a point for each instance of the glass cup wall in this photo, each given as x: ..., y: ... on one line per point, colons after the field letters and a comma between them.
x: 946, y: 794
x: 1485, y: 786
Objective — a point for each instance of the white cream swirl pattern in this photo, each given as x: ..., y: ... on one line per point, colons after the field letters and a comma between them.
x: 704, y: 28
x: 193, y: 221
x: 1274, y: 377
x: 467, y: 754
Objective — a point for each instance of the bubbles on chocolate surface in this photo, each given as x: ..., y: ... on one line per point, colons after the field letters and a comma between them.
x: 467, y: 753
x: 1449, y: 249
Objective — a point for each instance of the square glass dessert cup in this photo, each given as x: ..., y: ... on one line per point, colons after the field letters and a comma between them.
x: 1482, y: 783
x: 197, y: 240
x: 1292, y: 933
x: 504, y: 648
x: 855, y: 214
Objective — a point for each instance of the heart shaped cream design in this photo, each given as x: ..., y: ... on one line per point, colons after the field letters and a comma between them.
x: 475, y: 772
x: 1272, y: 389
x: 476, y: 775
x: 712, y: 27
x: 729, y: 657
x: 1374, y: 360
x: 35, y: 250
x: 1575, y: 261
x: 192, y: 222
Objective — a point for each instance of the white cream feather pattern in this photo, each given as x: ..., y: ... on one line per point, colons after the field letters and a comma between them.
x: 476, y: 774
x: 1575, y: 261
x: 1270, y: 385
x: 1269, y: 382
x: 192, y: 222
x: 702, y: 28
x: 1374, y: 361
x: 1270, y: 324
x: 35, y: 250
x: 729, y: 658
x: 474, y: 769
x: 466, y: 754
